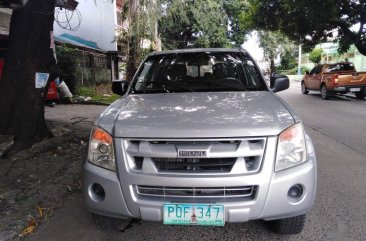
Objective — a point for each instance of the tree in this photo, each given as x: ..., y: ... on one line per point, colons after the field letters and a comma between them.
x: 201, y: 23
x: 233, y: 9
x: 288, y: 60
x: 274, y: 44
x: 316, y: 55
x: 29, y: 52
x: 142, y: 16
x: 311, y: 21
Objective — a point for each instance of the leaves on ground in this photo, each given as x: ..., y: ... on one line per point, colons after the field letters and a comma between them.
x: 31, y: 227
x: 40, y: 212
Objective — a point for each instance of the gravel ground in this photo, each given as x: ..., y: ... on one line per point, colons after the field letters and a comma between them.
x: 35, y: 182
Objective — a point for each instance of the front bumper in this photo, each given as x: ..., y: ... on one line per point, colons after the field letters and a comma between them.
x: 270, y: 202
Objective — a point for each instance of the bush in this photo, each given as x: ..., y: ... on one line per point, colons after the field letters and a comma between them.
x: 293, y: 71
x: 66, y: 60
x: 288, y: 61
x: 316, y: 55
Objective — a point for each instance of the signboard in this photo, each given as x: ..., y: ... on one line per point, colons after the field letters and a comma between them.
x: 41, y: 80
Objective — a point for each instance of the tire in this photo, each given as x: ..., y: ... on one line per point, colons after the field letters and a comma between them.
x: 293, y: 225
x: 109, y: 223
x: 304, y: 90
x: 324, y: 92
x: 360, y: 95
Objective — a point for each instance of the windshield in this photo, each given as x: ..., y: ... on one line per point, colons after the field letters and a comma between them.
x: 198, y: 72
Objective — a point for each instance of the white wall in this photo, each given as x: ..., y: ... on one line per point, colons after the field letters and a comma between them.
x: 97, y: 24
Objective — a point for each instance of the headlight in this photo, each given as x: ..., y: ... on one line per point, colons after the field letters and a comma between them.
x: 101, y: 152
x: 291, y: 148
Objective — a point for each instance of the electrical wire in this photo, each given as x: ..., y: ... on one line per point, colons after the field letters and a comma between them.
x: 67, y: 19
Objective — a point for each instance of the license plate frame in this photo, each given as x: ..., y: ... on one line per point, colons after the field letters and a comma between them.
x: 354, y: 89
x: 193, y: 214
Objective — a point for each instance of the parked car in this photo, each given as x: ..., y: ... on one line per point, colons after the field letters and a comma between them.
x: 335, y: 78
x: 199, y: 138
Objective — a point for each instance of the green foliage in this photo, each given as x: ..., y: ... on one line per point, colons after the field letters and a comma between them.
x: 145, y: 52
x: 275, y: 44
x: 233, y: 9
x: 310, y: 21
x: 200, y: 23
x: 88, y: 91
x: 66, y: 60
x: 288, y: 61
x: 271, y: 43
x: 293, y: 71
x: 142, y: 16
x: 316, y: 56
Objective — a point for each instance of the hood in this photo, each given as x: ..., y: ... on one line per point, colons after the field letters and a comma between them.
x: 197, y: 115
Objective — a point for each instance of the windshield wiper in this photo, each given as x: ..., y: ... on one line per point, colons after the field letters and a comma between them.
x: 163, y: 88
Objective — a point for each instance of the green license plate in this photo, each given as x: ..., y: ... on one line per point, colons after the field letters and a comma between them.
x: 194, y: 214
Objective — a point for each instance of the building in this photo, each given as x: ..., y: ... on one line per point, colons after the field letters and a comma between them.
x: 331, y: 55
x: 94, y: 21
x: 92, y: 29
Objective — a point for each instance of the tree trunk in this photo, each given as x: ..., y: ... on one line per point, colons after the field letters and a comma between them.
x: 354, y: 38
x: 272, y: 66
x: 133, y: 42
x: 29, y: 52
x: 361, y: 47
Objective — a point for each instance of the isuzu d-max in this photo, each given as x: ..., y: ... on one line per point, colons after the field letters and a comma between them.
x: 199, y: 138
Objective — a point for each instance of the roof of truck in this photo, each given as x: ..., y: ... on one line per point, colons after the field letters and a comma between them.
x: 341, y: 62
x: 198, y: 50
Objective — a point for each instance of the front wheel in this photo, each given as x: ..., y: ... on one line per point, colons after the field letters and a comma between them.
x: 324, y: 92
x: 304, y: 90
x: 293, y: 225
x: 361, y: 94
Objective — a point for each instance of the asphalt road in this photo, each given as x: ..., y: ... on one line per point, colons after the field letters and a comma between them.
x: 338, y: 130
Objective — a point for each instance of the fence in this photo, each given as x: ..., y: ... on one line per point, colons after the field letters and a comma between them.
x: 92, y: 68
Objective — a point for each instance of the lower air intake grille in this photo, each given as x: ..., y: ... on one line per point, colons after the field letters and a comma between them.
x: 197, y: 192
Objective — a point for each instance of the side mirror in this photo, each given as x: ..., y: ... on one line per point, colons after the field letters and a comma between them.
x: 307, y: 72
x: 120, y: 87
x: 279, y: 82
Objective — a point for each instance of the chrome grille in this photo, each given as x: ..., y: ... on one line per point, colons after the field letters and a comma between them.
x: 235, y: 156
x: 194, y: 164
x: 197, y: 192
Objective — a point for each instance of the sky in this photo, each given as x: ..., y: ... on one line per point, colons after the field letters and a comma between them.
x: 252, y: 46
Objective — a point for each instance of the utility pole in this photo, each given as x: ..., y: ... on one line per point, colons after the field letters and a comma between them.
x: 299, y: 61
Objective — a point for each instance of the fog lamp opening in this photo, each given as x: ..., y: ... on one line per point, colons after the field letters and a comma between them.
x: 296, y: 191
x: 97, y: 192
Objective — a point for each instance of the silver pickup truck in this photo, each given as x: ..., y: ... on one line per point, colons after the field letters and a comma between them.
x: 199, y: 138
